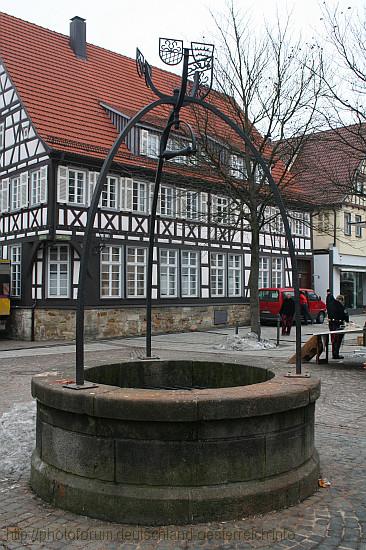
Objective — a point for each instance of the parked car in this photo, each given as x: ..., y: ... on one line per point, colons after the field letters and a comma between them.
x: 270, y: 301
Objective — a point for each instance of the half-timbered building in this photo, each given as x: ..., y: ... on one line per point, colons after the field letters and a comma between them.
x: 62, y: 104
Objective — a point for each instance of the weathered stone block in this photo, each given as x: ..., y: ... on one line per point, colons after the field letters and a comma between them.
x: 78, y: 454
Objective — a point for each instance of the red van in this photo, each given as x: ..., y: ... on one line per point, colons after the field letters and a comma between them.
x: 270, y: 302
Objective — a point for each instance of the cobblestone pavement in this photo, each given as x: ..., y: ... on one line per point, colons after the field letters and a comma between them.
x: 332, y: 518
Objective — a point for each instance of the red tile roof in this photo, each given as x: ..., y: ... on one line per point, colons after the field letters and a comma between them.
x: 62, y: 93
x: 326, y: 164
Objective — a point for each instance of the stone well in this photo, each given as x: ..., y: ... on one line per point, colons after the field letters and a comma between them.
x: 174, y: 442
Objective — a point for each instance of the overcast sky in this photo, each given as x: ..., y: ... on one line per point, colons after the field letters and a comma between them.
x: 121, y: 25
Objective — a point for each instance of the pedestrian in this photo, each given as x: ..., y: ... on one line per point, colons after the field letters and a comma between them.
x: 329, y: 299
x: 305, y: 308
x: 287, y: 313
x: 337, y: 315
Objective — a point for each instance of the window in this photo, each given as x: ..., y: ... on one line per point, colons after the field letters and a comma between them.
x: 347, y: 224
x: 237, y: 167
x: 189, y: 273
x: 217, y: 274
x: 15, y: 193
x: 220, y: 209
x: 167, y: 201
x: 140, y: 195
x: 168, y: 273
x: 76, y: 187
x: 149, y: 144
x: 264, y: 273
x: 38, y: 186
x: 277, y: 272
x: 58, y: 271
x: 15, y: 270
x: 2, y: 135
x: 323, y: 222
x: 111, y: 272
x: 192, y: 205
x: 108, y: 197
x: 234, y: 275
x: 4, y: 195
x: 277, y: 223
x: 358, y: 221
x: 175, y: 144
x: 298, y: 224
x: 136, y: 272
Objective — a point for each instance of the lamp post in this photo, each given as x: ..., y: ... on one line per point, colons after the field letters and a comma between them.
x: 195, y: 85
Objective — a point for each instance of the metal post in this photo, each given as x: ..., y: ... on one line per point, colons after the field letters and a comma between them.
x: 364, y: 335
x: 236, y: 329
x: 278, y: 330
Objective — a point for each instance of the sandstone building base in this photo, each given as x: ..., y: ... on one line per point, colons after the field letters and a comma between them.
x: 59, y: 324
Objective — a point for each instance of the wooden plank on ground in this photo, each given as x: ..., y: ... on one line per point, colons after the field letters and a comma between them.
x: 308, y: 350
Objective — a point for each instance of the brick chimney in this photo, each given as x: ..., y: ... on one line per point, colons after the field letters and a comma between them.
x: 78, y: 37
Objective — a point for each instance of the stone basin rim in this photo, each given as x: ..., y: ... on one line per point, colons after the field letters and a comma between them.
x: 274, y: 395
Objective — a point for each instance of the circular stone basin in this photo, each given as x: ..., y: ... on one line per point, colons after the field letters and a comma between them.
x: 174, y: 442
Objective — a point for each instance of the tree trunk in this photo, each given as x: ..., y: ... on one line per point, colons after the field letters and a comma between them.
x: 253, y: 281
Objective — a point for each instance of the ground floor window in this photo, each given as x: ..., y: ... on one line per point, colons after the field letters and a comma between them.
x: 110, y: 272
x: 168, y: 273
x: 264, y: 281
x: 270, y: 272
x: 189, y: 273
x: 136, y: 272
x: 234, y: 275
x: 15, y: 270
x: 352, y: 287
x: 217, y: 274
x: 58, y: 271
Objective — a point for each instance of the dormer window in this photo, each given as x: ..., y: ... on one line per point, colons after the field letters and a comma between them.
x: 237, y: 167
x: 149, y: 144
x: 360, y: 179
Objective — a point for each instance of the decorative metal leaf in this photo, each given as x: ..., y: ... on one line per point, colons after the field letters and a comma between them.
x: 140, y: 63
x: 170, y: 51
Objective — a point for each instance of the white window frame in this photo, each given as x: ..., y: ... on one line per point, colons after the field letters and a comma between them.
x: 277, y: 273
x: 168, y: 269
x: 220, y: 210
x: 347, y: 224
x: 193, y: 205
x: 81, y: 198
x: 58, y: 263
x: 168, y: 201
x: 189, y: 274
x: 140, y: 196
x: 134, y: 267
x: 358, y: 228
x: 109, y: 197
x: 298, y: 224
x: 2, y: 136
x: 110, y: 258
x: 15, y: 270
x: 235, y: 271
x: 237, y: 167
x: 264, y: 272
x: 217, y: 274
x: 15, y: 193
x: 149, y: 143
x: 38, y: 186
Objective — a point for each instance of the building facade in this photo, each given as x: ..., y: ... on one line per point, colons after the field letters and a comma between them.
x: 59, y: 115
x: 332, y: 168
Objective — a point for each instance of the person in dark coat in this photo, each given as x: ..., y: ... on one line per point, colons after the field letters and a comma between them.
x: 337, y: 315
x: 305, y: 308
x: 287, y: 313
x: 329, y: 300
